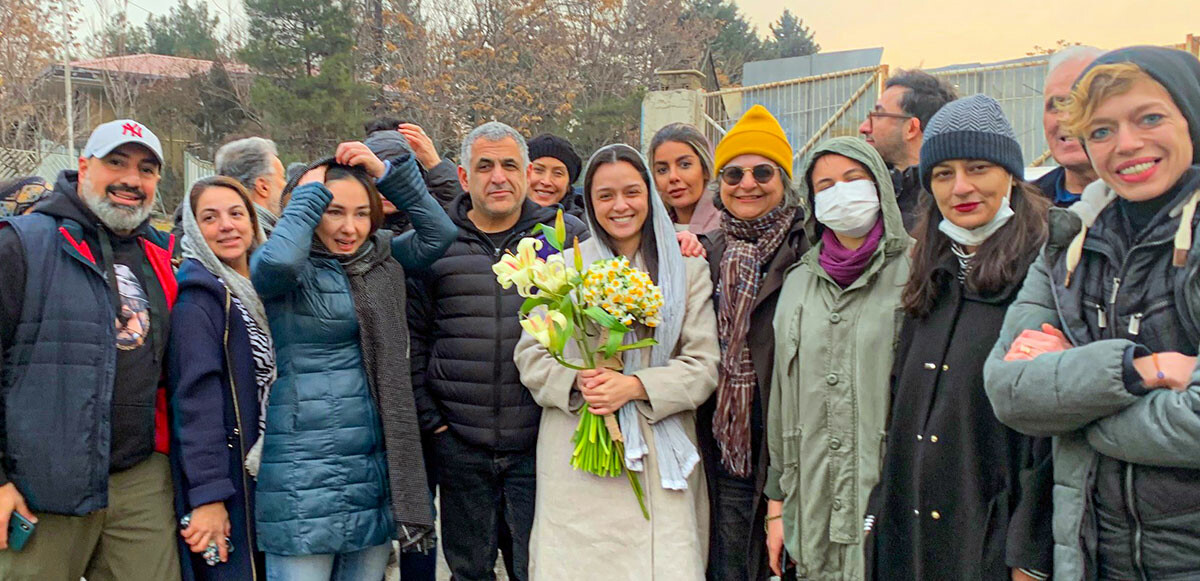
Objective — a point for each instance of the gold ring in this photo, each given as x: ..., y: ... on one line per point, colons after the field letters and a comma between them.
x: 1026, y: 349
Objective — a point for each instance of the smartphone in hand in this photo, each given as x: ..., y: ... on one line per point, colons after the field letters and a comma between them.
x: 19, y: 531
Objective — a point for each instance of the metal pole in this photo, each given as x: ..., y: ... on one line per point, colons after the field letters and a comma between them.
x: 67, y: 84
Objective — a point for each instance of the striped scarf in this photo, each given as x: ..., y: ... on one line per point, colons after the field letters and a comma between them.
x: 750, y: 246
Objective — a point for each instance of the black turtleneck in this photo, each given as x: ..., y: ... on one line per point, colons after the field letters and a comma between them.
x: 1139, y: 216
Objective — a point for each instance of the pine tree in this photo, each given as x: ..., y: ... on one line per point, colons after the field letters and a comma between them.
x: 737, y: 41
x: 187, y: 30
x: 789, y: 38
x: 306, y: 86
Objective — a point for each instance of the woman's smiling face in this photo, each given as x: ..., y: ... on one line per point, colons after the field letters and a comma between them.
x: 1139, y: 141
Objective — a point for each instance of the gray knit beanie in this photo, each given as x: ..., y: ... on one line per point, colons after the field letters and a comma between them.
x: 971, y: 128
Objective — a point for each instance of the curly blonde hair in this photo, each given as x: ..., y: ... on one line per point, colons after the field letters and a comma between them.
x: 1097, y: 86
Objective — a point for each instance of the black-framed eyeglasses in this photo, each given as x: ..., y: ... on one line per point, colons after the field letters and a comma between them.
x: 876, y: 114
x: 762, y: 173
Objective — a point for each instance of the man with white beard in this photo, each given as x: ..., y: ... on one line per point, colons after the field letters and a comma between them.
x: 85, y: 298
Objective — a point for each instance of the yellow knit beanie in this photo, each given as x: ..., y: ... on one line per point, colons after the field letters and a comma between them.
x: 756, y: 132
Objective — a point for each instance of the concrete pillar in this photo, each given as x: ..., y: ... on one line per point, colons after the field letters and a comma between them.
x: 679, y: 100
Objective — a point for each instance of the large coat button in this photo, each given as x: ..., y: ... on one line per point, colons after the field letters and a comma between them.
x: 831, y: 379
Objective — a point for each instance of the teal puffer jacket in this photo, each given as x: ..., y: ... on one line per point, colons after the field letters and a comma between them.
x: 322, y: 487
x: 323, y: 484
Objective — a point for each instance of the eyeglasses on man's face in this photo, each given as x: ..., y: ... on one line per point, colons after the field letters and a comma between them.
x: 873, y: 115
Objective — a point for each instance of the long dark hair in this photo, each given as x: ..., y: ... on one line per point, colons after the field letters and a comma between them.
x: 648, y: 245
x: 999, y: 262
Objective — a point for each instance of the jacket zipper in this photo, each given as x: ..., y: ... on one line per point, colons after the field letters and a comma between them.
x: 1136, y: 539
x: 237, y: 431
x: 497, y: 384
x: 1135, y: 327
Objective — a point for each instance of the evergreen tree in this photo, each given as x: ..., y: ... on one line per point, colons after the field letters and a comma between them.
x: 737, y: 41
x: 306, y: 86
x: 789, y: 38
x: 187, y: 30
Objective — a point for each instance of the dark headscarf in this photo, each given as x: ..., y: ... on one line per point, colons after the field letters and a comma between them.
x: 1177, y: 71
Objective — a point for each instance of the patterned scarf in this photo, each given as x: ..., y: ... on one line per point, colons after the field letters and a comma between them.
x: 750, y: 246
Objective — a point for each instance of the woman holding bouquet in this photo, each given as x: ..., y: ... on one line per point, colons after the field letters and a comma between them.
x: 591, y: 527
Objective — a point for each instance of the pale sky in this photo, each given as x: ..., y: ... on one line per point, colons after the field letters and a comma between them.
x: 926, y: 32
x: 934, y: 33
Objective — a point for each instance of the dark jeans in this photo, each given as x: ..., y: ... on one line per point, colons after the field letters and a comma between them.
x: 738, y: 550
x: 423, y: 566
x: 487, y: 506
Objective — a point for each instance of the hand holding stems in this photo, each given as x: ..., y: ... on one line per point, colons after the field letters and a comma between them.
x: 209, y: 524
x: 1030, y: 343
x: 605, y: 390
x: 775, y: 536
x: 421, y: 144
x: 689, y: 245
x: 11, y: 501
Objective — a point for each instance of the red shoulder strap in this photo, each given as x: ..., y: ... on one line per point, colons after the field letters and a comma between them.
x: 160, y: 261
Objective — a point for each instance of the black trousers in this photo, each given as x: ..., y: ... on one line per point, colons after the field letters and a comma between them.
x: 486, y: 506
x: 738, y: 544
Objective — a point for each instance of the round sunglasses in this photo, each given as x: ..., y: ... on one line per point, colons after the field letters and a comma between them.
x: 763, y: 172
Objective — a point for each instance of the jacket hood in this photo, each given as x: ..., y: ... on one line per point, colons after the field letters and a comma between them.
x: 64, y: 203
x: 895, y: 237
x: 193, y: 275
x: 1175, y: 70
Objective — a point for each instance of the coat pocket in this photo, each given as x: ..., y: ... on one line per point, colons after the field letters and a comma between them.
x: 992, y: 564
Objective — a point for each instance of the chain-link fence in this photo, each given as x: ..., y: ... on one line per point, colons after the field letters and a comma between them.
x: 1018, y: 88
x: 810, y: 109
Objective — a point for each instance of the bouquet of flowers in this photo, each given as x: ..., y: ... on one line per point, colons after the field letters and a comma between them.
x: 595, y: 308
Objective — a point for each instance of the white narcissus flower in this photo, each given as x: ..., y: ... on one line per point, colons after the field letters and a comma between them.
x: 520, y: 268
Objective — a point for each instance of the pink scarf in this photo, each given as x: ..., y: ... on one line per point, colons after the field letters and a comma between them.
x: 844, y: 265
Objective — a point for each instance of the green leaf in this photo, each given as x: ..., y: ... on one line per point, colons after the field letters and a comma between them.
x: 605, y: 320
x: 548, y: 233
x: 532, y: 303
x: 649, y: 342
x: 614, y: 343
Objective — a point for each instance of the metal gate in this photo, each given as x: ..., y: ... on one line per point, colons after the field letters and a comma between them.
x: 194, y: 169
x: 810, y: 109
x: 1018, y: 88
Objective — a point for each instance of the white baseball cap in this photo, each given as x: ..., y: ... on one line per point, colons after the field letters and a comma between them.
x: 109, y: 136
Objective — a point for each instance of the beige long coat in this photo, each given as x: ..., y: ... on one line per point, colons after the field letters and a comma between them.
x: 589, y: 527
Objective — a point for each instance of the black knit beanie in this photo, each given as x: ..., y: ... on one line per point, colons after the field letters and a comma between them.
x: 1177, y: 71
x: 971, y: 128
x: 547, y: 145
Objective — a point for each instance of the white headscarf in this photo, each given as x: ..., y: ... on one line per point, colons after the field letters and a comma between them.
x: 677, y: 455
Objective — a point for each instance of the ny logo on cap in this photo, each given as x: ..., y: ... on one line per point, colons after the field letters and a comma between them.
x: 131, y: 129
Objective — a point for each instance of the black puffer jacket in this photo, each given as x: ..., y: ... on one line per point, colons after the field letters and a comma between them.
x: 464, y: 328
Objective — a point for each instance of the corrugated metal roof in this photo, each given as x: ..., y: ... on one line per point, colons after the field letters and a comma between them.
x: 157, y: 65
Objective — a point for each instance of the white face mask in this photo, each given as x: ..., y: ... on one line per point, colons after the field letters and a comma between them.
x: 848, y: 208
x: 976, y: 236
